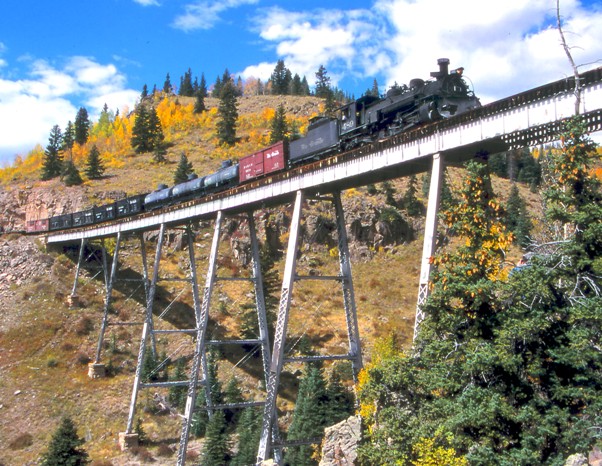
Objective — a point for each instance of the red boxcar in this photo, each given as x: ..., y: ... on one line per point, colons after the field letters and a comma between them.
x: 264, y: 162
x: 35, y: 226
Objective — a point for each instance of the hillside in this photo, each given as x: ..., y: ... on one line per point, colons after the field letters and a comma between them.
x: 45, y: 346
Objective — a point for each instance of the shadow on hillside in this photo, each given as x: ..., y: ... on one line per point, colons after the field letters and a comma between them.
x: 129, y: 285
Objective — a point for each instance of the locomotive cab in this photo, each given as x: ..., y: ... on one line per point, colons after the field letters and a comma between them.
x: 353, y: 114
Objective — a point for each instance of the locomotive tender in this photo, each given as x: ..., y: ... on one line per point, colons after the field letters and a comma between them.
x: 362, y: 121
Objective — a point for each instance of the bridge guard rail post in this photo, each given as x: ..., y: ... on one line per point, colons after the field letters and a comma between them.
x: 430, y: 237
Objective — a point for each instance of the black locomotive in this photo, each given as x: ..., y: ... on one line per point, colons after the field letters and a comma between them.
x: 362, y: 121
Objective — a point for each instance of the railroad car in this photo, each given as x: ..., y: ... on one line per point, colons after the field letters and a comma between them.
x: 158, y: 197
x: 194, y: 187
x: 269, y: 160
x: 36, y: 226
x: 130, y: 206
x: 322, y: 138
x: 226, y: 176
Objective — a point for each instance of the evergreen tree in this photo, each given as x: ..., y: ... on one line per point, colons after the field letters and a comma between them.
x: 140, y: 131
x: 183, y: 169
x: 410, y: 202
x: 217, y: 88
x: 280, y: 79
x: 199, y: 102
x: 278, y: 125
x: 200, y: 417
x: 216, y: 451
x: 148, y: 371
x: 305, y: 87
x: 186, y: 88
x: 68, y: 139
x: 147, y: 133
x: 203, y: 86
x: 82, y: 126
x: 178, y: 394
x: 323, y: 89
x: 518, y: 218
x: 71, y: 176
x: 53, y: 160
x: 340, y: 400
x: 167, y: 89
x: 64, y: 448
x: 227, y: 114
x: 143, y: 94
x: 94, y: 166
x: 248, y: 431
x: 232, y: 395
x: 309, y: 417
x: 296, y: 87
x: 498, y: 164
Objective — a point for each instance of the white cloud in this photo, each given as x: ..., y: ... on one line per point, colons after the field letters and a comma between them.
x: 205, y: 14
x: 30, y: 107
x: 505, y: 47
x: 333, y: 38
x: 147, y: 2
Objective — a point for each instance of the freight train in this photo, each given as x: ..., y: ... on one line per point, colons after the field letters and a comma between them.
x: 360, y: 122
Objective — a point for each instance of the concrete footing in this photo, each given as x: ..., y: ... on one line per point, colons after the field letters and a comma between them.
x: 96, y: 370
x: 127, y: 441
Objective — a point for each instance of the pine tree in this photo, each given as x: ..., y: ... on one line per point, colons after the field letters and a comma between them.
x: 200, y: 418
x: 183, y: 169
x: 228, y: 114
x: 518, y: 219
x: 323, y: 89
x: 147, y: 133
x: 216, y: 451
x: 53, y: 161
x: 278, y: 125
x: 296, y: 88
x: 178, y: 394
x: 94, y: 166
x: 68, y: 139
x: 140, y: 131
x: 71, y: 176
x: 280, y: 79
x: 64, y: 448
x: 167, y: 89
x: 232, y: 395
x: 186, y: 88
x: 410, y: 202
x: 340, y: 400
x: 82, y: 126
x: 248, y: 431
x: 144, y: 93
x: 309, y: 417
x: 199, y: 102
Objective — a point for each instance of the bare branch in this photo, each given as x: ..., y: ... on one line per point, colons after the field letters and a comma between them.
x: 567, y: 50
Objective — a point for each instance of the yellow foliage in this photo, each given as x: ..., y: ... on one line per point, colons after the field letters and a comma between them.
x: 430, y: 454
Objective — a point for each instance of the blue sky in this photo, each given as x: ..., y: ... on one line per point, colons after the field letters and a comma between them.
x: 56, y: 56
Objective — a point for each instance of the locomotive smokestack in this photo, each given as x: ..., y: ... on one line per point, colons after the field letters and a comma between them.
x: 443, y: 66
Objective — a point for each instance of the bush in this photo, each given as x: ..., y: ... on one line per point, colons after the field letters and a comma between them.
x: 21, y: 441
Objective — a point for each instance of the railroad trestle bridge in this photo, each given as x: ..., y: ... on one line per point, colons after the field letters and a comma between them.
x: 526, y: 119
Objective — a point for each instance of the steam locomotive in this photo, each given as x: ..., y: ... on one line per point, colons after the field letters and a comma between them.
x: 360, y: 122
